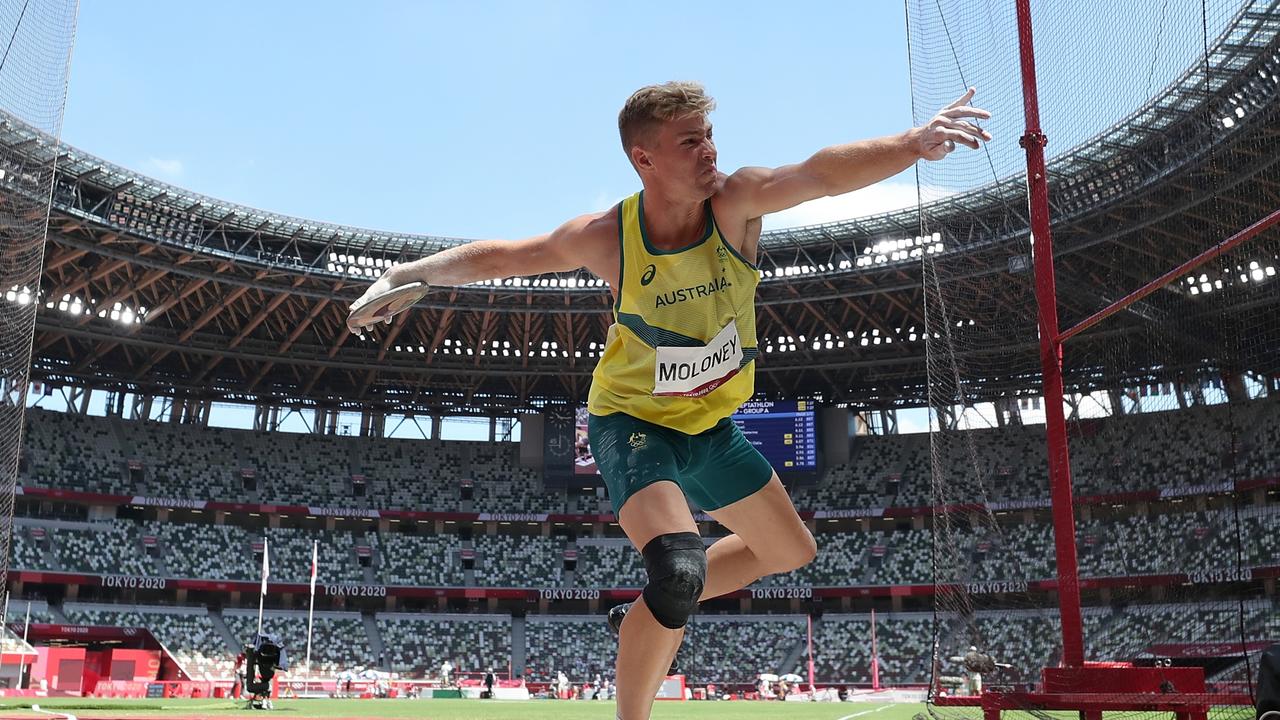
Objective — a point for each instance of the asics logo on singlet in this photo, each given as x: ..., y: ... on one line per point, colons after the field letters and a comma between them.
x: 679, y: 295
x: 647, y: 277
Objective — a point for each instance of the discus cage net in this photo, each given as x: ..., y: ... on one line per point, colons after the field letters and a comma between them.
x: 1103, y: 343
x: 36, y: 38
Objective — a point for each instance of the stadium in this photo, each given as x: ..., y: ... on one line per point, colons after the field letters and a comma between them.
x: 200, y: 453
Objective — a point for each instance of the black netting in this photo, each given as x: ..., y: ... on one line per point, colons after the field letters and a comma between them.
x: 1160, y: 119
x: 36, y: 41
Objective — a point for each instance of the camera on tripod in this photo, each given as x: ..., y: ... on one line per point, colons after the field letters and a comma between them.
x: 262, y: 659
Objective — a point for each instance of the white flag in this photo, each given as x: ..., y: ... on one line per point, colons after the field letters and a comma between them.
x: 315, y: 551
x: 266, y: 566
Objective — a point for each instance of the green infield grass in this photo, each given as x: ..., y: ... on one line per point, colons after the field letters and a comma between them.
x: 100, y: 709
x: 452, y: 709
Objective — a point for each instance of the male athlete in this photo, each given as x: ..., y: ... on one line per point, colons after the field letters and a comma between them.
x: 679, y: 358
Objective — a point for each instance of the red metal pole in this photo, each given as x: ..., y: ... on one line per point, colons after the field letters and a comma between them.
x: 875, y: 655
x: 1064, y: 525
x: 1230, y: 243
x: 811, y: 687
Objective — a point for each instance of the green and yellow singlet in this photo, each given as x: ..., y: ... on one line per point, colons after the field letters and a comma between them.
x: 681, y: 351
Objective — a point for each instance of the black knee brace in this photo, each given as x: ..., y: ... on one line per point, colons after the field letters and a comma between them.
x: 677, y: 566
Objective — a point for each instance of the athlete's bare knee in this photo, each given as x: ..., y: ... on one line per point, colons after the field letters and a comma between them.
x: 796, y: 554
x: 810, y: 548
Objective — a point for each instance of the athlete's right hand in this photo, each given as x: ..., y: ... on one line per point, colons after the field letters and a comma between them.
x: 390, y: 279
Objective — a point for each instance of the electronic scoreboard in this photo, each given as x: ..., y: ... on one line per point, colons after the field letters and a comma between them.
x: 784, y: 431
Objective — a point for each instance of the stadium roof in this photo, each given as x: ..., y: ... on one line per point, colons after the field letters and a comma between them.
x: 153, y: 288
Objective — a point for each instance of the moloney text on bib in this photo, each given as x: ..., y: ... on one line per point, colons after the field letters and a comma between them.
x: 696, y: 371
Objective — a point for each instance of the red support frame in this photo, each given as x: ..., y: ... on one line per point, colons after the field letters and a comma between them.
x: 1230, y: 243
x: 1064, y: 522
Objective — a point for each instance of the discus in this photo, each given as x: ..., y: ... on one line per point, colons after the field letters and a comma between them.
x: 383, y: 307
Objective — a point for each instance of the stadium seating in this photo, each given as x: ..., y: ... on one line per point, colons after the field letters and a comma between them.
x: 339, y: 640
x: 420, y: 560
x: 907, y: 558
x: 1179, y: 450
x: 291, y: 554
x: 406, y: 474
x: 604, y: 562
x: 502, y: 486
x: 89, y: 453
x: 1026, y: 639
x: 579, y: 646
x: 1158, y: 449
x: 178, y: 463
x: 1115, y: 546
x: 215, y: 552
x: 11, y: 639
x: 842, y: 647
x: 103, y: 547
x: 417, y: 644
x: 63, y: 450
x: 735, y: 649
x: 1010, y: 552
x: 1154, y: 449
x: 188, y: 633
x: 519, y: 561
x: 722, y: 649
x: 1260, y: 542
x: 716, y: 649
x: 863, y: 481
x: 1174, y: 542
x: 841, y: 561
x: 1126, y: 632
x: 27, y: 552
x: 297, y: 469
x: 40, y: 612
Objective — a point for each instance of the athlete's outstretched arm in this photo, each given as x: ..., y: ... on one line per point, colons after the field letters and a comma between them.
x: 840, y: 169
x: 588, y: 241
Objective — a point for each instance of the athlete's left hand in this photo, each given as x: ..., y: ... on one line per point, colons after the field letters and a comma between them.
x: 951, y: 126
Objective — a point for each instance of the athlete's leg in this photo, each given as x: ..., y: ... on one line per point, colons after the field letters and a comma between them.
x: 768, y: 537
x: 646, y: 646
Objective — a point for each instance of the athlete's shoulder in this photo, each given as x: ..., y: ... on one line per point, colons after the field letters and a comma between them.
x: 592, y: 226
x: 730, y: 201
x: 744, y: 179
x: 590, y: 241
x: 607, y: 219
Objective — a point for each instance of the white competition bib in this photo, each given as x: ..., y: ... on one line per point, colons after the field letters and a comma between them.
x: 696, y: 371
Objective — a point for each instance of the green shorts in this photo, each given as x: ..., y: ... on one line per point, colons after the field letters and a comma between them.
x: 714, y: 468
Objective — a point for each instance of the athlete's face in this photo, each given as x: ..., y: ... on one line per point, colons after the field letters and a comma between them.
x: 683, y: 155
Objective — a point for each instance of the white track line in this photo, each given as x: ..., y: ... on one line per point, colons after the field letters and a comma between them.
x: 68, y: 716
x: 864, y: 712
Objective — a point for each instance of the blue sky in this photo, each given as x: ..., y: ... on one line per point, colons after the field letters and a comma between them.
x: 498, y: 119
x: 486, y: 119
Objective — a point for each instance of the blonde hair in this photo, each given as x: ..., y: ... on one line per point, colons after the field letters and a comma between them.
x: 653, y: 104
